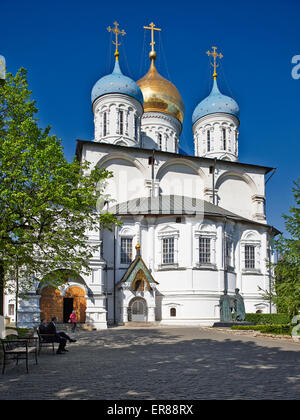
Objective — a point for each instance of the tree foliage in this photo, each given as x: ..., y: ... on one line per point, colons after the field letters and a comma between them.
x: 286, y: 290
x: 47, y: 204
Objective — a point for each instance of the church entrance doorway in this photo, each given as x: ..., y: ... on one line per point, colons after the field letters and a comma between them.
x: 138, y: 310
x: 67, y: 308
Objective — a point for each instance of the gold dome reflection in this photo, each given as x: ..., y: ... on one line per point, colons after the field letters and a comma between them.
x: 160, y: 94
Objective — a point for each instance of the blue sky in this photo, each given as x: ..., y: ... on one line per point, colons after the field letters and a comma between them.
x: 66, y: 48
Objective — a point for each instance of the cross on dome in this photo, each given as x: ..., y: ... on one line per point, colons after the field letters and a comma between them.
x: 117, y: 32
x: 215, y: 56
x: 152, y: 28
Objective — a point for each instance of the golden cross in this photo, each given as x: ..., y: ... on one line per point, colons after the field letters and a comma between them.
x: 215, y: 55
x: 117, y: 32
x: 152, y: 28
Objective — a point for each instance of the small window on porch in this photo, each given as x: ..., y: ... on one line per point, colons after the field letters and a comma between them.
x: 173, y: 312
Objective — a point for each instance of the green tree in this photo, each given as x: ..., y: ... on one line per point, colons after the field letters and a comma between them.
x: 286, y: 289
x: 47, y: 204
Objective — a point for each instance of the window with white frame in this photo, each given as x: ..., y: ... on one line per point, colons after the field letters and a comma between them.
x: 126, y: 251
x: 251, y: 248
x: 168, y: 237
x: 205, y: 246
x: 249, y: 256
x: 204, y: 250
x: 168, y: 251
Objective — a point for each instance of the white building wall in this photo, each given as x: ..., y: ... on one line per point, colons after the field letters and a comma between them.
x: 239, y: 188
x: 192, y: 290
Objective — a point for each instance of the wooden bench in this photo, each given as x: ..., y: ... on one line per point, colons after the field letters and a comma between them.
x: 18, y: 348
x: 45, y: 340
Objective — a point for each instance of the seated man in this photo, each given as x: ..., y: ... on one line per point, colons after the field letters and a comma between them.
x: 58, y: 337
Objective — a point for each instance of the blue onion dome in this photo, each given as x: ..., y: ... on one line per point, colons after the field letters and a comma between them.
x: 216, y: 102
x: 116, y: 82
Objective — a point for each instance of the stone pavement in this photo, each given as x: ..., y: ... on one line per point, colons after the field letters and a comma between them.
x: 164, y: 363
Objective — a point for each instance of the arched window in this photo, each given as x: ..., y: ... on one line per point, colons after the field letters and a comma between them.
x: 159, y: 139
x: 136, y: 127
x: 173, y: 312
x: 208, y: 140
x: 224, y: 138
x: 104, y: 124
x: 121, y: 122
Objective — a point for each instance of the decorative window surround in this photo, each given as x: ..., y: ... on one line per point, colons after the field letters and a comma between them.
x: 125, y: 234
x: 126, y: 251
x: 168, y: 233
x: 212, y: 236
x: 251, y: 241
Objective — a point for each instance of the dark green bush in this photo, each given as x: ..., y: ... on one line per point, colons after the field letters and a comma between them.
x: 266, y: 319
x: 266, y: 329
x: 21, y: 332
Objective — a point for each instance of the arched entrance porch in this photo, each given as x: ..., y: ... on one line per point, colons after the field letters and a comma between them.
x: 138, y: 310
x: 60, y: 301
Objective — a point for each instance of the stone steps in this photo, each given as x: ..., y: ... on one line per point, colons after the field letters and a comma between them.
x: 60, y: 326
x: 140, y: 324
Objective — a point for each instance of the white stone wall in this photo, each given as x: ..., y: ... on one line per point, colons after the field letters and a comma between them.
x: 239, y: 188
x: 193, y: 290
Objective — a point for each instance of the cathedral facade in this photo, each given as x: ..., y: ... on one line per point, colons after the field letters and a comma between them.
x: 192, y: 226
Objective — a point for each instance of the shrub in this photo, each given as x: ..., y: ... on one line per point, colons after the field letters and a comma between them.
x: 267, y: 319
x: 21, y: 332
x: 266, y: 329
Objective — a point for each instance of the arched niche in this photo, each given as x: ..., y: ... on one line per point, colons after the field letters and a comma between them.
x: 181, y: 177
x: 128, y: 179
x: 235, y: 193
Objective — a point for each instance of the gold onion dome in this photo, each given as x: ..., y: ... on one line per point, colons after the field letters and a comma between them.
x: 160, y: 95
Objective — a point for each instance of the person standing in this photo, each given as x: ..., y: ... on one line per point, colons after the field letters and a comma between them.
x: 73, y: 320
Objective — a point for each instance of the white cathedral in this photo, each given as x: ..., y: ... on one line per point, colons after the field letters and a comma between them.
x: 192, y: 226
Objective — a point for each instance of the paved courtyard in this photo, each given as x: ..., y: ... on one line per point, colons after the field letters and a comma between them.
x: 160, y: 363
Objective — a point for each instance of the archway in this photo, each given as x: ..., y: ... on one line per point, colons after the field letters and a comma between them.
x: 59, y: 301
x: 138, y: 310
x: 77, y: 295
